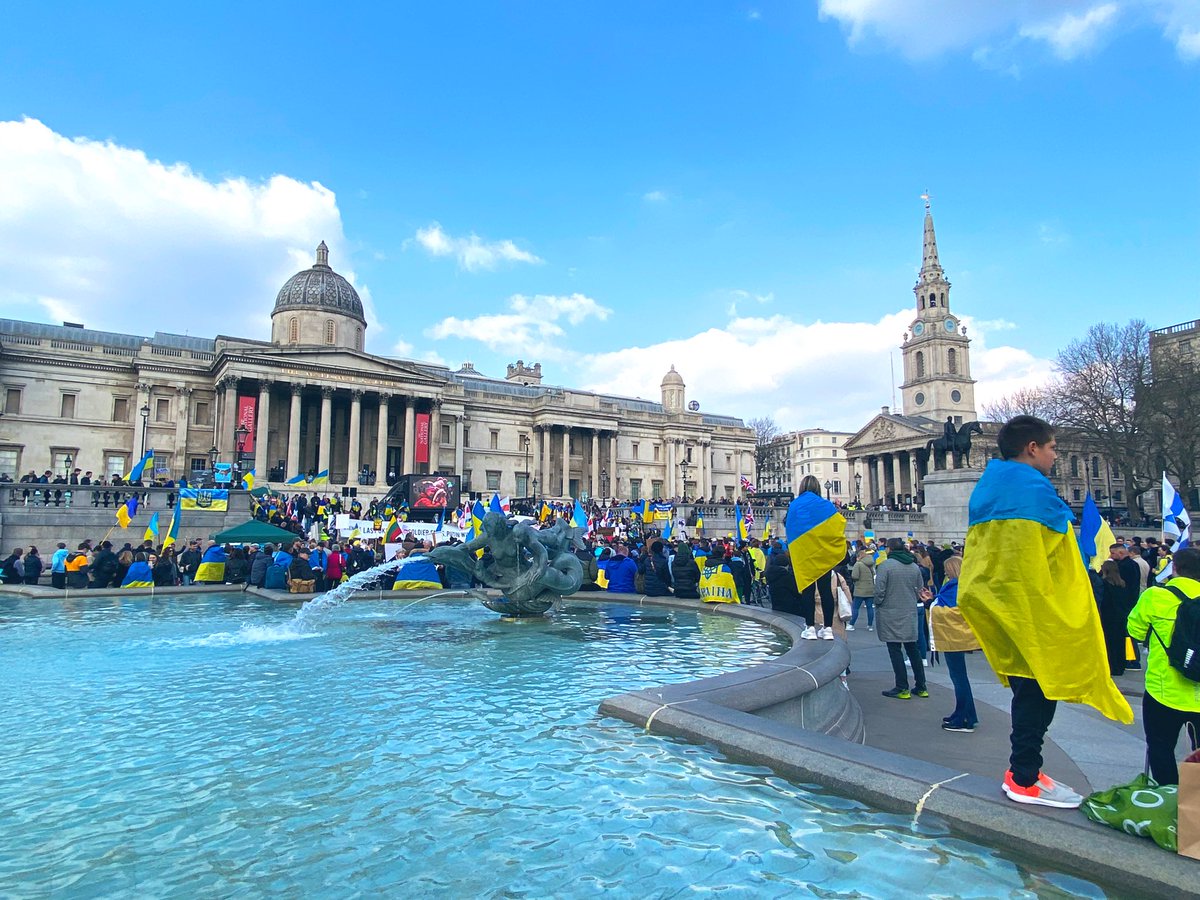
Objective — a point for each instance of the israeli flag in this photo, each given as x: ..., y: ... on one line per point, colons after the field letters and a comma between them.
x: 1177, y: 524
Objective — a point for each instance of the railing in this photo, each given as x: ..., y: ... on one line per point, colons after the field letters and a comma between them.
x: 38, y: 496
x: 71, y: 345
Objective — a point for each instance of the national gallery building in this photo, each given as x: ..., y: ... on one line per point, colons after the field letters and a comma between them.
x: 311, y: 400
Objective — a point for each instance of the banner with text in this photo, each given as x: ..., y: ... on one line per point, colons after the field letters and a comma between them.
x: 247, y: 414
x: 422, y: 438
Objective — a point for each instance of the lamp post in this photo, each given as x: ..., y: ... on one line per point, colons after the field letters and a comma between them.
x: 683, y: 472
x: 828, y: 488
x: 525, y: 447
x: 241, y: 433
x: 145, y: 411
x: 535, y: 492
x: 212, y: 463
x: 604, y: 483
x: 858, y: 488
x: 67, y: 461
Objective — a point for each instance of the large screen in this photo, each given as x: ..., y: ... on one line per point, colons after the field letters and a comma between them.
x: 433, y: 491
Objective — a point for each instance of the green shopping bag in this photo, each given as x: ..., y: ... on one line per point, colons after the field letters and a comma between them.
x: 1141, y: 808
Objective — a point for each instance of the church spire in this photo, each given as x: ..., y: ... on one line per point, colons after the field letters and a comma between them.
x: 931, y: 267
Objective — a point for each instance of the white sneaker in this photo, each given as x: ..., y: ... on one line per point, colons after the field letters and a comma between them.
x: 870, y: 628
x: 809, y: 633
x: 849, y: 627
x: 827, y: 634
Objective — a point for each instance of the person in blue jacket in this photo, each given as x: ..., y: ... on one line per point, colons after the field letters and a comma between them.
x: 621, y: 572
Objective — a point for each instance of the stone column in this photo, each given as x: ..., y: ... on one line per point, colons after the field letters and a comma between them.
x: 897, y: 487
x: 227, y: 438
x: 705, y: 466
x: 913, y: 474
x: 326, y: 429
x: 353, y: 463
x: 594, y: 488
x: 566, y: 463
x: 612, y: 468
x: 547, y: 437
x: 293, y: 444
x: 435, y: 436
x: 880, y: 485
x: 182, y: 420
x: 261, y: 465
x: 410, y: 435
x: 669, y: 481
x: 458, y: 444
x: 737, y: 489
x: 382, y: 442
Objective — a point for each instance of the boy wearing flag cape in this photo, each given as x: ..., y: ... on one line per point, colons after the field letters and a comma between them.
x: 1025, y: 593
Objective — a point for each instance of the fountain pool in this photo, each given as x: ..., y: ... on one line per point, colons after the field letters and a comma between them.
x: 199, y: 746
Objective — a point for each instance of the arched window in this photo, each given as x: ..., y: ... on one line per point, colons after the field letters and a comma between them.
x: 922, y: 299
x: 330, y: 331
x: 1074, y: 466
x: 920, y: 363
x: 952, y: 362
x: 293, y: 330
x: 933, y: 299
x: 357, y: 338
x: 943, y: 298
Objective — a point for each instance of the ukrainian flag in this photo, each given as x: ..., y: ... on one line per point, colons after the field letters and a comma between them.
x: 699, y: 523
x: 545, y: 512
x: 321, y: 477
x: 1095, y: 535
x: 816, y: 537
x: 417, y: 573
x: 138, y: 576
x: 646, y: 513
x: 297, y: 479
x: 135, y: 474
x: 666, y: 532
x: 742, y: 532
x: 151, y: 529
x: 248, y: 480
x: 127, y: 510
x: 1026, y: 595
x: 579, y: 518
x: 173, y: 531
x: 717, y: 584
x: 212, y: 565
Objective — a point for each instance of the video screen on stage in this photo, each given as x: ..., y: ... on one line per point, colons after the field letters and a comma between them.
x: 433, y: 491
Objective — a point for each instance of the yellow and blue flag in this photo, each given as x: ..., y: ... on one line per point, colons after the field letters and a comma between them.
x: 135, y: 474
x: 816, y: 537
x: 297, y: 480
x: 1095, y: 535
x: 1025, y: 592
x: 205, y: 499
x: 173, y: 531
x: 579, y: 517
x: 441, y: 519
x: 151, y: 529
x: 248, y: 480
x: 417, y: 573
x: 321, y: 477
x: 646, y: 512
x: 740, y: 521
x: 138, y: 576
x: 545, y: 511
x: 212, y: 565
x: 127, y: 510
x: 717, y: 584
x: 666, y: 532
x: 699, y: 523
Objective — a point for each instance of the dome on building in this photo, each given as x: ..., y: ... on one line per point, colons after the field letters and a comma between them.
x: 672, y: 378
x: 320, y: 289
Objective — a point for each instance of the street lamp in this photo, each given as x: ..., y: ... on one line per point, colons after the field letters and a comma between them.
x: 828, y: 488
x: 535, y: 492
x: 212, y: 462
x: 145, y: 411
x: 67, y: 461
x: 858, y: 488
x: 241, y: 433
x: 525, y: 446
x: 604, y: 483
x: 683, y: 472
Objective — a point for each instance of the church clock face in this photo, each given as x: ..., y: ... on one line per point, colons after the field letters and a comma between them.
x: 950, y: 323
x: 918, y: 329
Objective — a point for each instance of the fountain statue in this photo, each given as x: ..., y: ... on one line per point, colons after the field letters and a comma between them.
x: 531, y: 568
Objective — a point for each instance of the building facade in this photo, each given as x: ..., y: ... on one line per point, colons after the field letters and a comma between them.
x: 311, y: 400
x: 812, y: 451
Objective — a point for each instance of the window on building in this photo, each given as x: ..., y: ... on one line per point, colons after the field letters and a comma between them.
x: 203, y: 412
x: 1095, y: 467
x: 293, y: 330
x: 466, y: 435
x: 728, y: 492
x: 656, y: 452
x: 330, y: 332
x: 10, y: 461
x: 1054, y: 470
x: 635, y: 449
x: 162, y: 409
x: 493, y: 480
x: 920, y: 363
x: 115, y: 464
x: 1117, y: 497
x: 67, y: 407
x: 198, y: 464
x: 1075, y: 494
x: 952, y: 361
x: 12, y: 401
x: 358, y: 338
x: 120, y: 409
x: 523, y: 484
x: 635, y: 488
x: 834, y: 452
x: 494, y: 440
x: 656, y: 488
x: 466, y: 481
x: 445, y: 433
x: 835, y: 467
x: 728, y: 461
x: 58, y: 461
x: 1116, y: 470
x: 1074, y: 466
x: 689, y: 453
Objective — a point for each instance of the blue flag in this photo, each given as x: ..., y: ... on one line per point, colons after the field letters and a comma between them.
x: 495, y: 506
x: 579, y: 517
x: 441, y: 519
x: 666, y: 532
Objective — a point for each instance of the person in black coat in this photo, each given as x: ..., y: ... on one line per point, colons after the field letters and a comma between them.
x: 33, y: 566
x: 685, y: 574
x: 259, y: 565
x: 1111, y: 591
x: 781, y: 584
x: 1131, y: 574
x: 656, y: 573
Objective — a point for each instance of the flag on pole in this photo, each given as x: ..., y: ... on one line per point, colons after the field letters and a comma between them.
x: 747, y: 485
x: 1177, y: 524
x: 646, y: 513
x: 248, y: 480
x: 296, y: 480
x: 173, y: 531
x: 666, y: 532
x: 151, y: 529
x: 321, y: 477
x: 699, y: 523
x: 393, y: 533
x: 1095, y: 535
x: 495, y: 506
x: 441, y: 519
x: 135, y: 473
x: 579, y: 516
x: 740, y: 522
x: 127, y: 510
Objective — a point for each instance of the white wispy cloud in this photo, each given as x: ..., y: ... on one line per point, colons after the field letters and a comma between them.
x: 532, y: 326
x: 99, y: 233
x: 992, y: 30
x: 472, y: 252
x: 655, y: 196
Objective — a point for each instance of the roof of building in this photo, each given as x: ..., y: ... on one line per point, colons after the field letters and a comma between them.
x: 320, y: 288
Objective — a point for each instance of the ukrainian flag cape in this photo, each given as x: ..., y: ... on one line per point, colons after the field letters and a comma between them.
x: 717, y: 584
x: 417, y: 573
x: 816, y: 536
x: 138, y: 576
x: 1025, y: 592
x: 212, y: 565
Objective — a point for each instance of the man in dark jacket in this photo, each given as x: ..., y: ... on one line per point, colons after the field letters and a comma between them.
x: 189, y: 560
x: 260, y: 561
x: 300, y: 570
x: 781, y: 583
x: 656, y: 574
x: 104, y: 566
x: 1131, y: 574
x: 685, y: 573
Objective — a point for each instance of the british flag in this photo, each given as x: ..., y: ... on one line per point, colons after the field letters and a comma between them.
x: 747, y: 485
x: 749, y: 517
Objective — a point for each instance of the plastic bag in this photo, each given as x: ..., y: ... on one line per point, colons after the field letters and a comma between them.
x: 1142, y: 808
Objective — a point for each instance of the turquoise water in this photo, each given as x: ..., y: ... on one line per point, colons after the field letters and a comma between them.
x: 197, y: 747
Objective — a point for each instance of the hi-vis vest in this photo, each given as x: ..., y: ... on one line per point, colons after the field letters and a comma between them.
x: 717, y: 585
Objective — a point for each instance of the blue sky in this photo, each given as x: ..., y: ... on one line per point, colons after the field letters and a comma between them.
x: 732, y: 188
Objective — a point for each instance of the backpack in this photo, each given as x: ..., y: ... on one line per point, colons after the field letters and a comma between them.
x: 1184, y: 652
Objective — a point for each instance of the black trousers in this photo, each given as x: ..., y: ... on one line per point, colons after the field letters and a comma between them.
x: 808, y: 600
x: 1162, y: 724
x: 1032, y: 714
x: 896, y: 652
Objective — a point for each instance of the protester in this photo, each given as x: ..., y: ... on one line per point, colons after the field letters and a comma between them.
x: 58, y: 566
x: 953, y: 638
x: 898, y: 586
x: 621, y: 572
x: 685, y: 574
x: 862, y: 579
x: 781, y: 585
x: 1111, y: 591
x: 13, y: 567
x: 33, y: 566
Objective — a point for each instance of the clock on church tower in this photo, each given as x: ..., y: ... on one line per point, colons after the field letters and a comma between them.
x: 937, y: 352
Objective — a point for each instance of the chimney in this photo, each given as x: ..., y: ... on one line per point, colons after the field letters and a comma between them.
x: 886, y: 410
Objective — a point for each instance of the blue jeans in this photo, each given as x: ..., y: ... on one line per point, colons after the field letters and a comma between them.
x: 964, y: 700
x: 858, y: 603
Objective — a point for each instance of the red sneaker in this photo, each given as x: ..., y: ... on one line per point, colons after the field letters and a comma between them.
x: 1047, y: 792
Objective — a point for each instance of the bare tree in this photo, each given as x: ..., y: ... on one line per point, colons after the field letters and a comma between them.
x: 1172, y: 407
x: 1038, y: 402
x: 765, y: 431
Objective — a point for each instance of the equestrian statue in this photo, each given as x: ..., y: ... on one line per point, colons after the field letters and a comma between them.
x: 955, y: 441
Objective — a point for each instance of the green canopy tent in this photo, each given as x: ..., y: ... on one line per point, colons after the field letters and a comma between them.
x: 253, y: 532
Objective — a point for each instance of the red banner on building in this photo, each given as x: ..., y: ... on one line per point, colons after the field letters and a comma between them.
x: 422, y: 438
x: 247, y: 413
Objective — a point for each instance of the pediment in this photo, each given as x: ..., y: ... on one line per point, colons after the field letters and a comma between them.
x: 888, y: 429
x: 331, y: 362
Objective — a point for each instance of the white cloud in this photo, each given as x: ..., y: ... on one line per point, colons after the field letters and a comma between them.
x: 98, y: 233
x: 1071, y: 35
x: 530, y: 328
x: 472, y: 252
x: 655, y: 196
x: 993, y: 29
x: 829, y: 374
